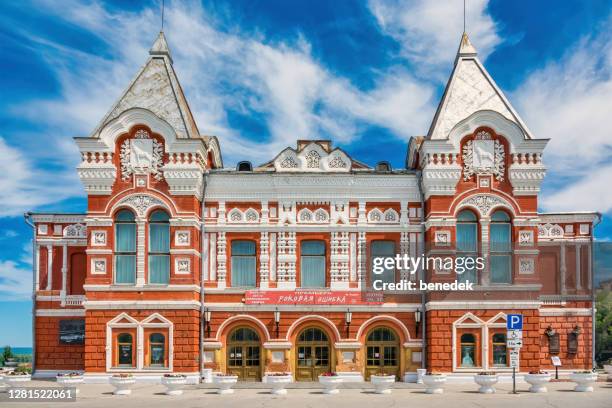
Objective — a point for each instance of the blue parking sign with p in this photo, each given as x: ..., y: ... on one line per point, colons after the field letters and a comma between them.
x: 514, y: 322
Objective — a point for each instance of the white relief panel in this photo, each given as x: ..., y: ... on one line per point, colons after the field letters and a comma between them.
x: 98, y: 238
x: 98, y: 266
x: 525, y: 238
x: 182, y: 238
x: 182, y: 266
x: 442, y: 238
x: 526, y: 266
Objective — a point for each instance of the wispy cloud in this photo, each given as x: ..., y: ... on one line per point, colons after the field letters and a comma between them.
x: 569, y: 101
x: 15, y: 281
x: 429, y: 31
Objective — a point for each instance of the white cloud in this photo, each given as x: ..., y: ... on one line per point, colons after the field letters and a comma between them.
x: 221, y: 70
x: 23, y: 186
x: 569, y: 101
x: 15, y: 281
x: 429, y: 31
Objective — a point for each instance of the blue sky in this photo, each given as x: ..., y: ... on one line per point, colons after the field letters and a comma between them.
x: 260, y: 74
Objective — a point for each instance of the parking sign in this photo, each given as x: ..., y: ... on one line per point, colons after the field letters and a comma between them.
x: 514, y: 322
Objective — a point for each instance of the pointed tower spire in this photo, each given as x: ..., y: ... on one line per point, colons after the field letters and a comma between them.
x: 160, y: 47
x: 470, y: 88
x: 466, y: 49
x: 156, y: 88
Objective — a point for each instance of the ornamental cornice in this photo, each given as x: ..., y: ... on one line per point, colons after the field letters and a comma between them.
x: 141, y: 203
x: 484, y: 203
x: 526, y: 178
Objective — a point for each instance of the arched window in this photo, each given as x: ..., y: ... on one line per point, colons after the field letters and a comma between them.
x: 125, y: 350
x: 468, y: 350
x: 157, y: 350
x: 381, y: 250
x: 467, y: 242
x: 500, y: 354
x: 312, y: 264
x: 125, y: 247
x: 159, y: 247
x: 501, y: 248
x: 243, y: 264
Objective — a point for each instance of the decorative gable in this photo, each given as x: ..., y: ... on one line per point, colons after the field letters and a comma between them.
x: 312, y: 157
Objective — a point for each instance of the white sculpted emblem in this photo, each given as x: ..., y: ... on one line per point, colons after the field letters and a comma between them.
x: 483, y: 156
x: 141, y: 155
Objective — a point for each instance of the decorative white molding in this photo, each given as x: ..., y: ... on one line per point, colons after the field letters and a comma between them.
x: 75, y: 231
x: 141, y: 155
x: 312, y: 158
x: 141, y: 203
x: 389, y: 216
x: 526, y: 238
x: 483, y: 156
x: 182, y: 238
x: 182, y: 266
x: 550, y: 231
x: 484, y: 203
x: 249, y: 216
x: 98, y: 238
x: 318, y: 216
x: 526, y: 266
x: 98, y: 266
x: 442, y: 238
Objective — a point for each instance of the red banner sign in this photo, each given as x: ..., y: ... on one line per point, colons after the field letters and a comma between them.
x: 311, y: 297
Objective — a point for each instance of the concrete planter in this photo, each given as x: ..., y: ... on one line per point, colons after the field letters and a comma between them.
x: 330, y: 383
x: 434, y: 383
x: 538, y: 382
x: 608, y: 370
x: 584, y: 381
x: 123, y: 385
x: 225, y: 383
x: 486, y: 383
x: 382, y: 383
x: 70, y: 381
x: 174, y: 385
x: 278, y: 383
x: 17, y: 380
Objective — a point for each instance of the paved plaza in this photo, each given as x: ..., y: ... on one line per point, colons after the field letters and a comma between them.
x: 351, y: 395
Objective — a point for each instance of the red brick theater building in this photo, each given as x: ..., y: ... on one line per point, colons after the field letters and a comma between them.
x: 181, y: 265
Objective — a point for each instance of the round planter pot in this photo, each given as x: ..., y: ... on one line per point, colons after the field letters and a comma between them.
x: 278, y: 383
x: 123, y: 386
x: 73, y: 381
x: 486, y: 383
x: 17, y: 380
x: 225, y: 383
x: 174, y: 385
x: 330, y: 383
x: 538, y: 382
x: 382, y: 383
x: 434, y: 384
x: 584, y: 381
x: 608, y: 370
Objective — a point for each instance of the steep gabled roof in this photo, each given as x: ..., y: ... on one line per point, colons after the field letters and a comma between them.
x: 470, y: 88
x: 156, y: 88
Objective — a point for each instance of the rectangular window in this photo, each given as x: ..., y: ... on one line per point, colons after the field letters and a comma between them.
x: 159, y: 253
x: 125, y: 253
x: 312, y: 264
x: 501, y: 258
x: 467, y: 248
x: 382, y: 249
x: 244, y: 264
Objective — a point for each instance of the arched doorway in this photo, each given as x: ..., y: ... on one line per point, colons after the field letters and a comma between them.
x: 244, y: 354
x: 382, y: 352
x: 313, y: 354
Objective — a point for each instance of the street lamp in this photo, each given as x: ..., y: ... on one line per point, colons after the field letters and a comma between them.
x: 417, y: 319
x: 348, y: 317
x: 207, y: 314
x: 277, y: 320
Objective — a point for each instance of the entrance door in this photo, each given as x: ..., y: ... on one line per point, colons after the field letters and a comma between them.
x: 313, y: 354
x: 244, y: 354
x: 382, y: 352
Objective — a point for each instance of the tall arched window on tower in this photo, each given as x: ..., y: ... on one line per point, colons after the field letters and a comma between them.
x: 159, y: 247
x: 501, y: 248
x: 125, y: 247
x: 467, y: 242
